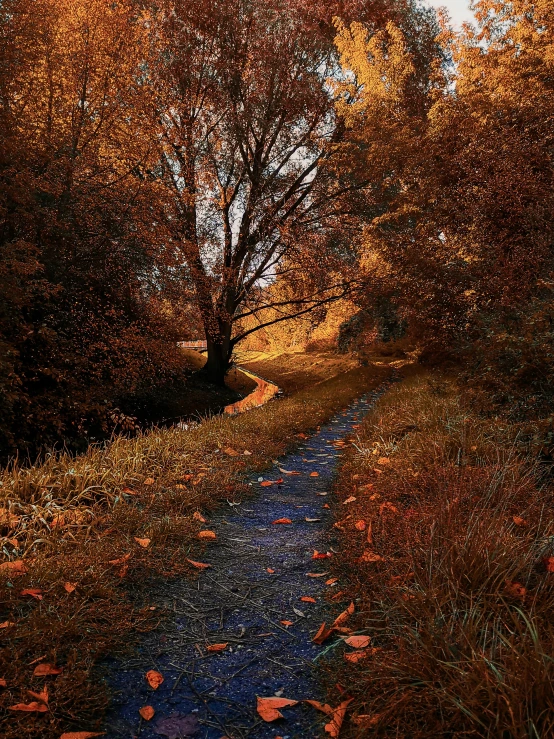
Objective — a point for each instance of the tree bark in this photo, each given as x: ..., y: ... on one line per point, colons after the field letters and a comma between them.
x: 219, y: 360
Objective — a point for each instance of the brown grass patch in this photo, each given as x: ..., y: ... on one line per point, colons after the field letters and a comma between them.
x: 460, y: 604
x: 73, y: 521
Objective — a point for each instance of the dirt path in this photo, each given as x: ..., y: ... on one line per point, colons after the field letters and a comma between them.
x: 238, y: 601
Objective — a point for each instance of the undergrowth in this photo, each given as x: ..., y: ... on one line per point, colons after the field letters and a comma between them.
x: 72, y: 525
x: 447, y: 549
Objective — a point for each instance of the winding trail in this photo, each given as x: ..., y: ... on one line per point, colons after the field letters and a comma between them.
x: 237, y: 601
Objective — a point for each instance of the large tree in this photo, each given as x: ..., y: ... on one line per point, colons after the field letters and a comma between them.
x: 243, y: 104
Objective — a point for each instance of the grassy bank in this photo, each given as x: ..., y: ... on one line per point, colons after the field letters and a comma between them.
x: 80, y: 532
x: 445, y: 551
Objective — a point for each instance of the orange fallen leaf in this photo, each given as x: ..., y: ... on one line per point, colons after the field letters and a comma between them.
x: 308, y: 599
x: 30, y: 707
x: 230, y: 452
x: 14, y: 568
x: 198, y: 517
x: 287, y: 623
x: 42, y: 696
x: 515, y: 589
x: 121, y: 560
x: 333, y: 728
x: 198, y: 565
x: 216, y: 647
x: 267, y: 708
x: 371, y: 557
x: 314, y: 474
x: 148, y: 481
x: 143, y: 542
x: 355, y: 657
x: 283, y: 520
x: 344, y: 616
x: 321, y: 555
x: 302, y: 436
x: 266, y: 484
x: 6, y: 624
x: 358, y: 642
x: 82, y: 734
x: 129, y: 491
x: 45, y: 668
x: 323, y: 633
x: 316, y: 574
x: 360, y: 525
x: 207, y: 535
x: 323, y: 707
x: 69, y: 587
x: 154, y: 679
x: 383, y: 461
x: 519, y: 521
x: 388, y: 507
x: 147, y: 712
x: 271, y: 572
x: 326, y: 505
x: 331, y: 581
x: 33, y: 592
x: 351, y: 499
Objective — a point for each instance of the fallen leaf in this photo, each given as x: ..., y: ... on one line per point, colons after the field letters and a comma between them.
x: 14, y: 568
x: 366, y: 720
x: 6, y: 624
x: 308, y: 599
x: 355, y: 657
x: 287, y: 623
x: 333, y: 728
x: 312, y: 520
x: 143, y: 542
x: 230, y: 452
x: 369, y: 537
x: 42, y: 697
x: 69, y: 587
x: 371, y: 557
x: 387, y: 507
x: 45, y: 668
x: 323, y: 633
x: 3, y: 683
x: 344, y: 616
x: 267, y: 708
x: 216, y: 647
x: 129, y: 491
x: 33, y: 592
x: 351, y: 499
x: 383, y: 460
x: 121, y: 560
x: 207, y: 535
x: 30, y: 707
x: 198, y: 517
x: 288, y: 472
x: 358, y: 642
x: 271, y: 572
x: 177, y: 726
x: 302, y: 436
x: 316, y: 574
x: 314, y: 474
x: 148, y: 481
x: 198, y: 565
x: 247, y: 453
x: 326, y: 505
x: 147, y: 712
x: 323, y: 707
x: 331, y: 581
x: 519, y: 521
x: 360, y: 525
x: 81, y: 734
x: 515, y: 589
x: 154, y: 679
x: 321, y: 555
x: 283, y: 520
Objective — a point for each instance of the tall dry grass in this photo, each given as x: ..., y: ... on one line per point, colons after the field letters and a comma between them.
x: 454, y: 587
x: 74, y: 522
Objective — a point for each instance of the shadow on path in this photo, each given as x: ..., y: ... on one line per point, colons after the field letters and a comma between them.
x: 237, y: 601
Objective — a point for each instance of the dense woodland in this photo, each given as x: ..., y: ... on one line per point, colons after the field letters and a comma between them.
x: 177, y: 169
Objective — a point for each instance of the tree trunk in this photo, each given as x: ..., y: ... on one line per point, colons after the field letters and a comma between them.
x: 219, y: 361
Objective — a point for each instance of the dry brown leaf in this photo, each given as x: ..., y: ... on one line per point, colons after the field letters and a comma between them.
x: 333, y: 728
x: 519, y: 521
x: 314, y: 474
x: 287, y: 623
x: 271, y: 572
x: 30, y: 707
x: 33, y: 592
x: 383, y: 461
x: 207, y: 535
x: 358, y: 642
x: 371, y: 557
x: 308, y: 599
x: 351, y: 499
x: 198, y: 517
x: 360, y: 525
x: 331, y: 581
x: 69, y: 587
x: 143, y: 542
x: 515, y: 589
x: 6, y: 624
x: 268, y: 707
x: 323, y: 707
x: 316, y: 574
x: 14, y: 568
x: 45, y: 668
x: 3, y: 683
x: 366, y: 720
x: 121, y: 560
x: 216, y: 647
x: 321, y: 555
x: 154, y: 679
x: 147, y: 712
x: 42, y: 696
x: 283, y: 520
x: 344, y: 616
x: 148, y: 481
x: 387, y: 507
x: 198, y: 565
x: 322, y: 634
x: 230, y: 452
x: 266, y: 484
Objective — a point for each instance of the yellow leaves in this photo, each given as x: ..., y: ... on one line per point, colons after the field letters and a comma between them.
x: 267, y: 708
x: 154, y: 679
x: 147, y: 712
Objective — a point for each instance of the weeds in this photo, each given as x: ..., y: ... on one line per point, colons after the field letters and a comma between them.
x: 459, y: 600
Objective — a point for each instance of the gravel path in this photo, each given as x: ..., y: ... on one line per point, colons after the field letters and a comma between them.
x: 238, y: 601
